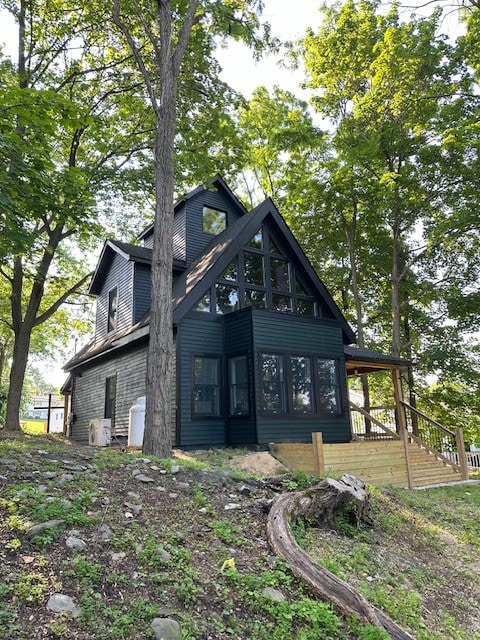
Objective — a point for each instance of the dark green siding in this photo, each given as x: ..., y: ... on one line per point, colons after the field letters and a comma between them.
x: 198, y: 337
x: 276, y: 333
x: 141, y: 291
x: 238, y: 334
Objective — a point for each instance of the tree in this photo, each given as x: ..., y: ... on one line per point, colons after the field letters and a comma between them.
x: 168, y: 38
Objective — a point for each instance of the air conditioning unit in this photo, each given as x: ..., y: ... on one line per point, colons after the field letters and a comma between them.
x: 99, y: 432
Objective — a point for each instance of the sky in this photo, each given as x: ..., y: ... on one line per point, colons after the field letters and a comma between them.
x: 289, y: 21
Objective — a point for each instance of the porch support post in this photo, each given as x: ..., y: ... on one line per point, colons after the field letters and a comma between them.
x: 462, y: 456
x: 398, y: 399
x: 318, y: 461
x: 408, y: 466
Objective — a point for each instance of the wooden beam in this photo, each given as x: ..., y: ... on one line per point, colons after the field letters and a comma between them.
x: 398, y: 397
x: 462, y: 456
x: 319, y: 463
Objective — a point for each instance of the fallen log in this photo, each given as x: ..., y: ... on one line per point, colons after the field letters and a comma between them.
x: 321, y: 501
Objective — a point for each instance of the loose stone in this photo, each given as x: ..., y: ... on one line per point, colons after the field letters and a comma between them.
x: 106, y: 533
x: 60, y: 603
x: 166, y: 629
x: 273, y: 594
x: 38, y: 529
x: 142, y: 478
x: 75, y: 543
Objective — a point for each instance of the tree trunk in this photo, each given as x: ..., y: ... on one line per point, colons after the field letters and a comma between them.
x: 396, y: 276
x: 350, y: 230
x: 323, y: 500
x: 17, y: 376
x: 157, y: 437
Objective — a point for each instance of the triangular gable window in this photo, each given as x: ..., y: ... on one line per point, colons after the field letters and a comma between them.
x: 273, y: 246
x: 257, y: 241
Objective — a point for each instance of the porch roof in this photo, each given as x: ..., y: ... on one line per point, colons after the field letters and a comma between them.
x: 366, y: 361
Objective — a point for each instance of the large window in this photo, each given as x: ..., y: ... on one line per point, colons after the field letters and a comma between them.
x: 299, y: 384
x: 112, y: 310
x: 214, y: 220
x: 238, y: 374
x: 227, y: 298
x: 328, y: 385
x: 206, y: 386
x: 273, y: 383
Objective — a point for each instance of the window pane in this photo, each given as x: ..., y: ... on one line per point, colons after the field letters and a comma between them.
x: 273, y: 246
x: 273, y: 383
x: 214, y: 221
x: 203, y: 304
x: 206, y: 396
x: 112, y: 310
x: 230, y: 272
x: 227, y: 298
x: 281, y: 303
x: 253, y: 264
x: 302, y: 387
x: 257, y: 241
x: 279, y: 274
x: 239, y: 404
x: 299, y: 288
x: 305, y: 307
x: 329, y: 387
x: 255, y: 298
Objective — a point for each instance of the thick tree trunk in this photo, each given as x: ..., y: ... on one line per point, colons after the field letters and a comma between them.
x: 157, y: 437
x: 396, y: 276
x: 17, y: 376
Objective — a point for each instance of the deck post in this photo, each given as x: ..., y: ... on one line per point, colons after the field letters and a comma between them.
x: 318, y: 461
x: 398, y: 399
x: 404, y: 437
x: 462, y: 456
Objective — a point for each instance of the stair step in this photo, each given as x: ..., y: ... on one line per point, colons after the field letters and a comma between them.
x: 432, y: 471
x: 445, y: 479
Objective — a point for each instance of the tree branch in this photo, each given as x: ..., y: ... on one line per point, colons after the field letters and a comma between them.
x: 51, y: 310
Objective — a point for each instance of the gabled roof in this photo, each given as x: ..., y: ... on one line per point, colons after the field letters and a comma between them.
x: 130, y: 252
x: 217, y: 182
x: 193, y: 283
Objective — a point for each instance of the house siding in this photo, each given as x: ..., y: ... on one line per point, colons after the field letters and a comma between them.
x: 142, y: 291
x: 119, y: 275
x: 276, y: 333
x: 198, y: 337
x: 238, y: 335
x: 197, y: 240
x: 88, y: 397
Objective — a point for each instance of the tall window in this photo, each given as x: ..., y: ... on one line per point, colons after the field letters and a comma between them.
x: 238, y: 374
x: 273, y: 383
x: 110, y: 397
x: 214, y: 220
x: 112, y: 310
x: 328, y: 385
x: 206, y: 387
x: 302, y: 384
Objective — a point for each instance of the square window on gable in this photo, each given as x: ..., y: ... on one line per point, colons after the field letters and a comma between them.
x: 214, y: 220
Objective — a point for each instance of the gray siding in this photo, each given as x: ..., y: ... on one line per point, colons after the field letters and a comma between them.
x: 88, y: 398
x: 142, y: 291
x: 179, y: 235
x: 198, y: 337
x: 277, y: 333
x: 238, y: 334
x: 119, y: 275
x: 196, y: 240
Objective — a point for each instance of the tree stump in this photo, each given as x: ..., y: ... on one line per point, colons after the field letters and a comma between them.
x: 322, y: 501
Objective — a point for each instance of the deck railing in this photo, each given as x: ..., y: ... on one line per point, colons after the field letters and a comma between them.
x: 378, y: 424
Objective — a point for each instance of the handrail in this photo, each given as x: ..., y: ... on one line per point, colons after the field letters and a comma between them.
x: 435, y: 452
x: 431, y: 420
x: 394, y: 435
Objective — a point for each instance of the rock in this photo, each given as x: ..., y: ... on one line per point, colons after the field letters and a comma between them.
x: 116, y: 557
x: 73, y: 467
x: 143, y: 478
x: 164, y: 612
x: 8, y: 462
x: 230, y: 506
x: 60, y: 603
x: 166, y: 629
x: 164, y: 555
x: 133, y: 495
x: 273, y: 594
x: 105, y: 501
x: 136, y: 472
x: 38, y: 529
x: 41, y: 488
x: 154, y: 467
x: 128, y: 515
x: 106, y: 534
x: 75, y: 533
x: 66, y: 477
x: 73, y: 542
x: 134, y: 508
x: 183, y: 485
x: 175, y: 469
x: 161, y: 489
x: 173, y: 495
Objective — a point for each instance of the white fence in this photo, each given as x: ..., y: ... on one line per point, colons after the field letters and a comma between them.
x: 473, y: 458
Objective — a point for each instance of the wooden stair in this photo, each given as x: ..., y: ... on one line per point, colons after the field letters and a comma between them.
x: 427, y: 469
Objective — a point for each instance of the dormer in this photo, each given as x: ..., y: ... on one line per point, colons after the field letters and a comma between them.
x: 199, y: 216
